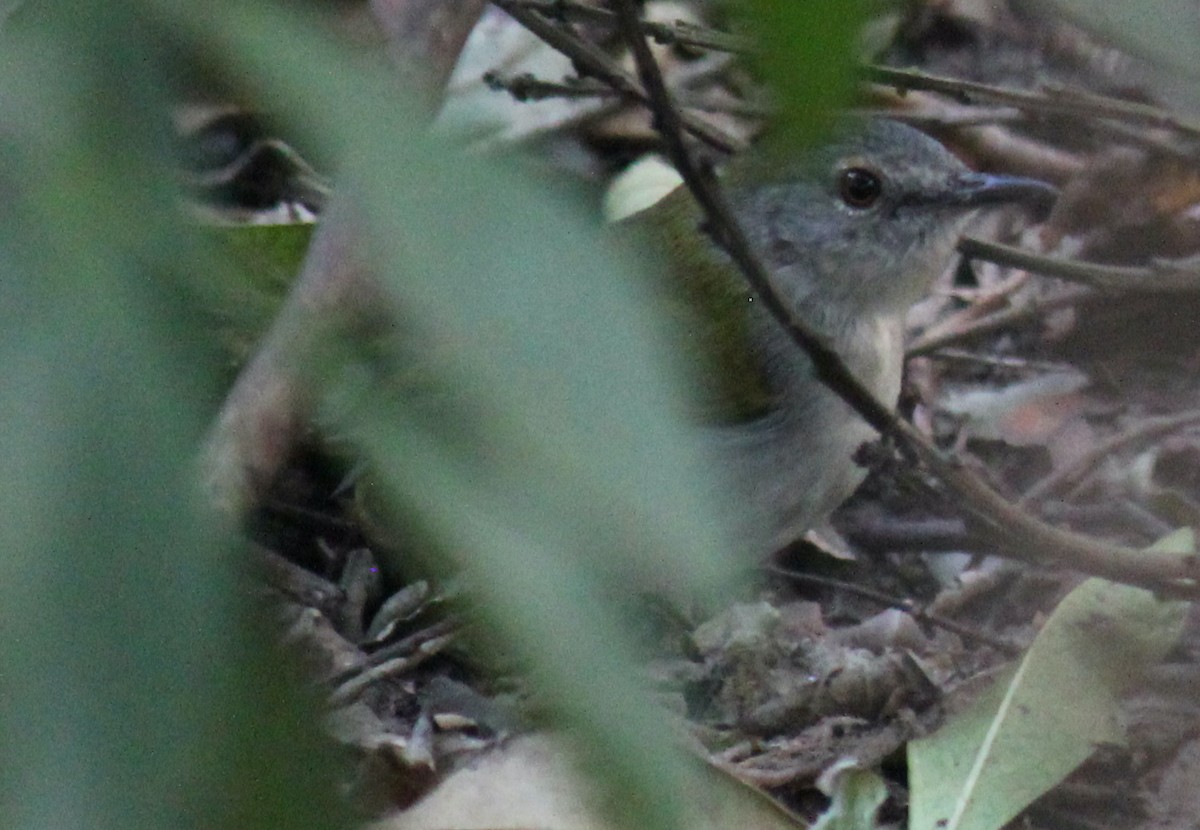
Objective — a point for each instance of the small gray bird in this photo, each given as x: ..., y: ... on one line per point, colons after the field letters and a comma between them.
x: 853, y: 235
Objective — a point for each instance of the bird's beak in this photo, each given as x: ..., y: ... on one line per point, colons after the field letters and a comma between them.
x: 982, y: 189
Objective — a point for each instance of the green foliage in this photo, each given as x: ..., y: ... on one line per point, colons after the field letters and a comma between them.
x: 808, y: 58
x: 550, y: 460
x: 252, y: 267
x: 132, y: 689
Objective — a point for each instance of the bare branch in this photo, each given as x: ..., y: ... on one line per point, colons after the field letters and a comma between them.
x: 955, y: 334
x: 1146, y: 431
x: 1167, y: 276
x: 1057, y: 102
x: 684, y: 34
x: 907, y: 606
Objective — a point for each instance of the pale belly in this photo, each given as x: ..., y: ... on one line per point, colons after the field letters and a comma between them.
x: 795, y: 465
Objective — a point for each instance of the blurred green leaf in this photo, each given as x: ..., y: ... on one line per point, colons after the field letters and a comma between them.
x: 1022, y: 737
x: 136, y: 693
x: 552, y: 462
x: 808, y: 56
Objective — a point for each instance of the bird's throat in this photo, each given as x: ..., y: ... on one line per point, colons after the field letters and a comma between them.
x: 871, y: 347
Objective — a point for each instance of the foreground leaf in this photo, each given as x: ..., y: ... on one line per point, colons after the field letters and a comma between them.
x: 544, y: 451
x: 135, y: 693
x: 1048, y: 714
x: 255, y: 265
x: 807, y: 58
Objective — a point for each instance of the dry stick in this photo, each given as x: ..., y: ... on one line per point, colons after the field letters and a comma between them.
x: 1023, y: 536
x: 1175, y: 276
x: 1060, y: 102
x: 907, y: 606
x: 527, y: 87
x: 1149, y: 429
x: 683, y: 34
x: 350, y: 689
x: 1027, y: 538
x: 927, y: 344
x: 995, y: 142
x: 1020, y: 363
x: 590, y: 60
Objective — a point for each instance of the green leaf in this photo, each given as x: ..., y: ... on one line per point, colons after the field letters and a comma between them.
x: 1049, y: 712
x: 808, y: 57
x: 253, y: 265
x: 856, y: 794
x: 135, y: 692
x: 551, y: 459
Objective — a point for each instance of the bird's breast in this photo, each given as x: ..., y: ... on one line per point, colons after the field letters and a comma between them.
x: 796, y: 463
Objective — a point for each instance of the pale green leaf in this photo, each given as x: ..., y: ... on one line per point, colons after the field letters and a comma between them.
x: 1047, y: 715
x: 550, y: 458
x: 855, y: 794
x: 252, y: 267
x: 135, y: 694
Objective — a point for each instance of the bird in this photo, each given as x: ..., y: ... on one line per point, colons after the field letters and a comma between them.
x: 853, y: 233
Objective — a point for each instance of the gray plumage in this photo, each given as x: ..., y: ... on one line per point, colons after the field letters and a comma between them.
x: 849, y: 265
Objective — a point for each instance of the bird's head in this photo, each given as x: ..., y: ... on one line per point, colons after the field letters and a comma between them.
x: 863, y: 224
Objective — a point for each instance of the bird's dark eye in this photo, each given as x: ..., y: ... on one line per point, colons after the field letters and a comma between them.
x: 859, y: 187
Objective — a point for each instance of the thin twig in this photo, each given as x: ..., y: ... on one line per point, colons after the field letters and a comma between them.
x: 1023, y: 536
x: 1023, y: 364
x: 1175, y: 276
x: 527, y: 87
x: 592, y: 61
x: 681, y: 33
x: 1001, y: 320
x: 1148, y: 430
x: 907, y: 606
x: 1057, y: 102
